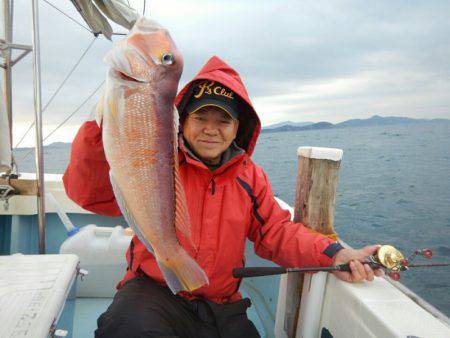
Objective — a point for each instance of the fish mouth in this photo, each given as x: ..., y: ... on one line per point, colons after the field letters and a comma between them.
x: 130, y: 58
x: 124, y: 62
x: 126, y: 77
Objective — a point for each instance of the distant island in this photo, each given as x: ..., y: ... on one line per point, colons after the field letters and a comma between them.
x: 375, y: 120
x: 288, y: 123
x: 58, y: 153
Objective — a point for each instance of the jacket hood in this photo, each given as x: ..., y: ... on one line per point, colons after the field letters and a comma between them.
x: 217, y: 70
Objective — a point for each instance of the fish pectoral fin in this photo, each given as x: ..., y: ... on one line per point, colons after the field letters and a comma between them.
x: 182, y: 273
x: 97, y: 111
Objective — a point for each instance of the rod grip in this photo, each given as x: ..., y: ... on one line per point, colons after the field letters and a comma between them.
x: 255, y: 272
x: 346, y: 267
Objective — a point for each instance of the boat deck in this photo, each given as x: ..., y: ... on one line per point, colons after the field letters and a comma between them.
x: 87, y: 310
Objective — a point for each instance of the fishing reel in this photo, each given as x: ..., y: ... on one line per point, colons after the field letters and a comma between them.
x: 393, y: 262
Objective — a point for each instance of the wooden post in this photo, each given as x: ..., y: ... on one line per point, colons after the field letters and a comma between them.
x: 315, y: 196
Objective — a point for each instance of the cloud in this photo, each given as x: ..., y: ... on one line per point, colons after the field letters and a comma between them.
x: 301, y: 60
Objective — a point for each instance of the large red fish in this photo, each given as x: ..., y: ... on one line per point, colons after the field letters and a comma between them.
x: 140, y: 141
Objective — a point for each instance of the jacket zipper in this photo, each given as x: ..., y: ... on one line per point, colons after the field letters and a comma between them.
x: 213, y: 187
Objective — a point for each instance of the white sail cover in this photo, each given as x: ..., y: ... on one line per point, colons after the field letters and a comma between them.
x: 95, y: 12
x: 2, y: 22
x: 5, y: 144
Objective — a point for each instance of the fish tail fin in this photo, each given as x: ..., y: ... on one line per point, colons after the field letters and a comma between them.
x: 182, y: 273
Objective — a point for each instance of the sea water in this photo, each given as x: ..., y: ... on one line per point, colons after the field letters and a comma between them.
x: 394, y: 188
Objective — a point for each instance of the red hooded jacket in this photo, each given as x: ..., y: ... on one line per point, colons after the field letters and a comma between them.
x: 226, y: 206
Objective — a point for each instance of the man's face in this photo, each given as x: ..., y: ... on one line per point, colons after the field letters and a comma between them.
x: 210, y: 131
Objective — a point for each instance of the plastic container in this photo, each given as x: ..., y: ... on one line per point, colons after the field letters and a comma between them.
x: 102, y: 253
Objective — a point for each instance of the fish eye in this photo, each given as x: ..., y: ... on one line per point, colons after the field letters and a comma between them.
x: 167, y: 59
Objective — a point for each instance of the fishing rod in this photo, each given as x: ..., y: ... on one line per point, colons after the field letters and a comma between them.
x: 387, y: 258
x: 279, y: 270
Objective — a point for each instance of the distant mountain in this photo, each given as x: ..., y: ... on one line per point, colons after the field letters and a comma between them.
x: 59, y: 145
x: 56, y: 158
x: 288, y: 127
x: 287, y: 123
x: 439, y: 120
x: 375, y: 120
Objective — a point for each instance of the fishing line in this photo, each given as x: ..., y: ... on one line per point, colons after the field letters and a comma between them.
x: 65, y: 120
x: 57, y: 90
x: 68, y: 16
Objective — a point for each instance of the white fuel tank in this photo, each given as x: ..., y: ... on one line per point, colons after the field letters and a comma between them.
x: 102, y: 253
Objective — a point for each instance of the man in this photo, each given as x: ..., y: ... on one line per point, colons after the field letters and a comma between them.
x: 229, y: 200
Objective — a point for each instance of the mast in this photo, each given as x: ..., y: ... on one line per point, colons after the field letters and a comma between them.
x: 38, y: 126
x: 126, y: 17
x: 6, y: 45
x: 7, y: 29
x: 7, y: 9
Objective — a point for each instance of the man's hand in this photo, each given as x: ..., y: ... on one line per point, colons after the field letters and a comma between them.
x: 355, y: 257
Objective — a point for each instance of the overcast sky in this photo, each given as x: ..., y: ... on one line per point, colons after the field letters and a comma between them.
x: 300, y: 60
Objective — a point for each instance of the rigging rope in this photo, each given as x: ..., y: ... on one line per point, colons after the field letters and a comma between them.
x: 57, y: 90
x: 68, y: 16
x: 66, y: 119
x: 66, y: 78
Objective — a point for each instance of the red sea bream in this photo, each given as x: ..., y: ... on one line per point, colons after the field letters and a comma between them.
x: 140, y: 141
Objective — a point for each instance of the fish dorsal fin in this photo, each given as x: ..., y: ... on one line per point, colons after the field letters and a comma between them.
x: 182, y: 222
x: 181, y: 211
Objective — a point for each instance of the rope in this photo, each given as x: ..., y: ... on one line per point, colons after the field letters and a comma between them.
x: 68, y: 16
x: 67, y: 119
x: 7, y: 191
x: 143, y: 10
x: 57, y: 90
